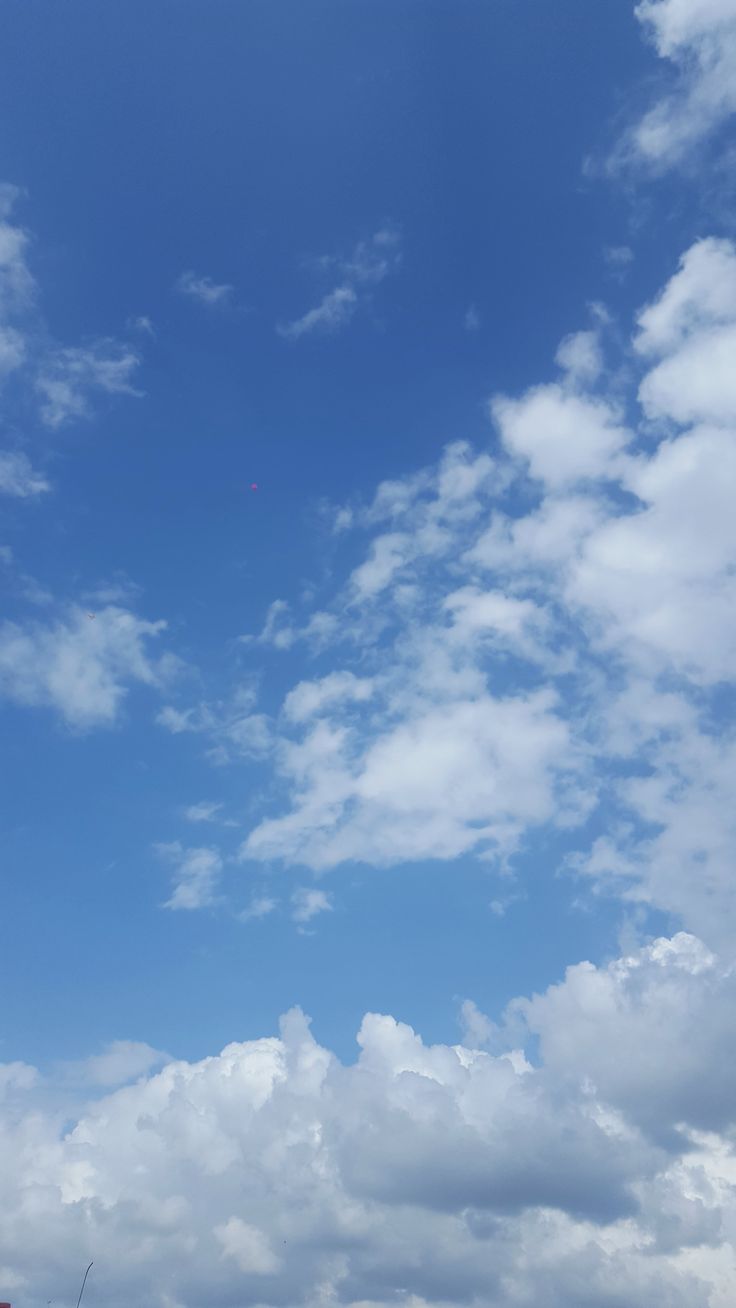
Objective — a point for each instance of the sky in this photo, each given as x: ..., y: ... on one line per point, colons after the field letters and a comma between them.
x: 367, y: 647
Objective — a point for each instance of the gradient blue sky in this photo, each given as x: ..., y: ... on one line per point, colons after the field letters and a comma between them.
x: 304, y: 245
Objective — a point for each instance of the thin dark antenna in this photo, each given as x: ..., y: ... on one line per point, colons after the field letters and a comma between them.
x: 84, y: 1282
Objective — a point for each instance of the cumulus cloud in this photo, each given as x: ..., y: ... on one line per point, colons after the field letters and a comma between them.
x: 698, y: 38
x: 368, y: 264
x: 540, y: 635
x: 273, y: 1173
x: 80, y: 666
x: 204, y: 290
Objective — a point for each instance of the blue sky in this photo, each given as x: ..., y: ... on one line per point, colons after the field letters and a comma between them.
x: 365, y: 481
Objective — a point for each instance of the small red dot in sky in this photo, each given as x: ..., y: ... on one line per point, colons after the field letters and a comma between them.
x: 254, y: 485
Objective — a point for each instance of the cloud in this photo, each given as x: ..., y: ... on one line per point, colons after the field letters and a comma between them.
x: 60, y: 379
x: 537, y: 640
x: 17, y: 285
x: 471, y: 320
x: 121, y: 1061
x: 12, y: 350
x: 580, y: 355
x: 143, y: 324
x: 368, y: 264
x: 67, y: 376
x: 204, y: 290
x: 273, y: 1173
x: 698, y: 37
x: 307, y: 903
x: 18, y: 478
x: 334, y: 311
x: 196, y: 875
x: 233, y: 729
x: 80, y: 667
x: 309, y: 698
x: 206, y: 811
x: 260, y: 906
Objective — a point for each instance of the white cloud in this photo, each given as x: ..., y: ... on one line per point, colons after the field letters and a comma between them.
x: 205, y: 811
x: 307, y: 903
x: 272, y: 1173
x: 121, y: 1061
x: 565, y: 437
x: 17, y: 286
x: 143, y: 324
x: 580, y: 355
x: 18, y: 478
x: 204, y: 290
x: 196, y: 876
x: 232, y: 728
x: 519, y: 628
x: 79, y: 666
x: 66, y: 378
x: 368, y: 264
x: 309, y: 698
x: 691, y: 330
x: 699, y: 38
x: 334, y: 311
x: 248, y: 1246
x: 471, y: 320
x: 12, y: 349
x: 260, y: 906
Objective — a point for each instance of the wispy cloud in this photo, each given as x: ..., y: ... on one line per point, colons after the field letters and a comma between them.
x: 18, y: 477
x: 308, y: 903
x: 196, y: 875
x: 67, y: 377
x: 260, y: 906
x: 471, y: 320
x: 206, y: 811
x: 368, y: 264
x: 204, y: 290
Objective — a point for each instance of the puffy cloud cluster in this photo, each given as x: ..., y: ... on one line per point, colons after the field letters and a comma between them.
x: 543, y: 632
x: 275, y: 1174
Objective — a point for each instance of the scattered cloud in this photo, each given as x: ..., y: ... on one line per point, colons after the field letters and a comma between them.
x: 67, y: 377
x: 80, y: 666
x: 538, y: 639
x: 260, y: 906
x: 307, y: 903
x: 233, y: 729
x: 206, y: 811
x: 204, y: 290
x: 334, y: 311
x: 18, y: 477
x: 471, y: 321
x: 143, y: 324
x: 368, y: 264
x: 196, y: 876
